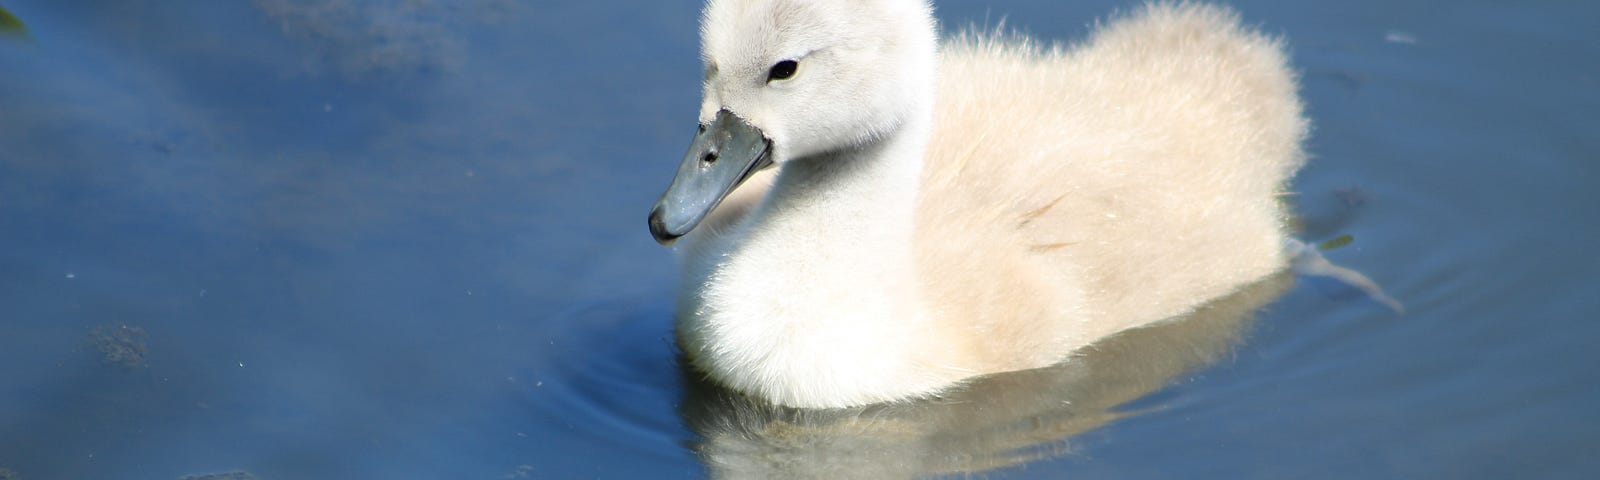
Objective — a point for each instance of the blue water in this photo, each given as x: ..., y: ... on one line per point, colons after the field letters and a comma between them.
x: 401, y: 239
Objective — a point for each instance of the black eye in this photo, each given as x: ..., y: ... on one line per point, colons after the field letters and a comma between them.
x: 782, y: 70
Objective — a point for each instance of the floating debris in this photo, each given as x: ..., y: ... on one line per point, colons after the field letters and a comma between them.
x: 1396, y: 36
x: 1343, y: 240
x: 523, y: 471
x: 119, y: 345
x: 234, y: 475
x: 11, y: 25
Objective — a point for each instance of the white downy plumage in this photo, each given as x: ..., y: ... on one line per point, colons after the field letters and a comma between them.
x: 988, y: 205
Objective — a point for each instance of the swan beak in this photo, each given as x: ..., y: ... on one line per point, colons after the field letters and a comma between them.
x: 724, y: 154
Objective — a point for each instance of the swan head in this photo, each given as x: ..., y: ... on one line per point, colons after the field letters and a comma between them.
x: 793, y: 80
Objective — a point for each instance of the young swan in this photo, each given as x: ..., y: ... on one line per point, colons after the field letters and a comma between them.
x: 1042, y: 200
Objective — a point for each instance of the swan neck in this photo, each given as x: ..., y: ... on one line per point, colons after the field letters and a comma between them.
x: 878, y: 180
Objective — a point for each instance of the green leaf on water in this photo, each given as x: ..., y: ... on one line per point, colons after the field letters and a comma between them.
x: 10, y: 24
x: 1336, y: 243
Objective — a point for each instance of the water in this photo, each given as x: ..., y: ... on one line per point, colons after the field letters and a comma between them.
x: 395, y: 239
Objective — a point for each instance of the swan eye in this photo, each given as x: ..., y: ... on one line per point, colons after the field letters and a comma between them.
x: 783, y: 70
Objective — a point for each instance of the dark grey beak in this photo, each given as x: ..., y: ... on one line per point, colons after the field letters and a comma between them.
x: 724, y: 154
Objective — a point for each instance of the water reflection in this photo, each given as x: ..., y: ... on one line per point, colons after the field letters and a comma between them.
x: 997, y: 421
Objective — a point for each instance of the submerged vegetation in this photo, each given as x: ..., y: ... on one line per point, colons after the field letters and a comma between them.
x: 120, y: 345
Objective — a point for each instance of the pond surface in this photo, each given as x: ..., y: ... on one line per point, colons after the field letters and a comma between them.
x: 295, y: 239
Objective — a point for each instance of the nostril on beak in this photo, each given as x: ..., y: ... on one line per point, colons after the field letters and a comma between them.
x: 710, y: 157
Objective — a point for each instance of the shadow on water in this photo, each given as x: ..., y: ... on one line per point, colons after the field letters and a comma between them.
x: 995, y: 422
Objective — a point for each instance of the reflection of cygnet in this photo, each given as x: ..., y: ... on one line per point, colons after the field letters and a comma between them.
x: 992, y: 206
x: 993, y: 422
